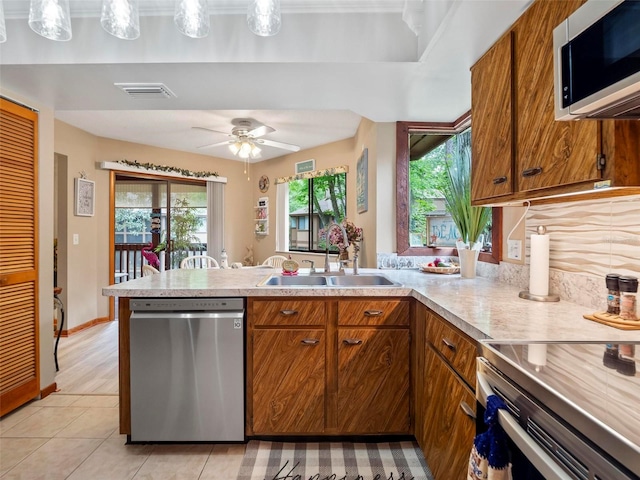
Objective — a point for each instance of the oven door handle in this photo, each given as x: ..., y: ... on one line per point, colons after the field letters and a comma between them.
x: 534, y: 453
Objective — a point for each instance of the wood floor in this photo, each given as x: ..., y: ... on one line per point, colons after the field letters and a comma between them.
x: 88, y: 361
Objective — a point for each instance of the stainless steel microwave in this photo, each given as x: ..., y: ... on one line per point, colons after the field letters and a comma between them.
x: 597, y: 61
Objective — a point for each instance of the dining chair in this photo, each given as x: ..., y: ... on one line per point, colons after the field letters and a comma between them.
x: 274, y: 261
x: 199, y: 261
x: 148, y: 270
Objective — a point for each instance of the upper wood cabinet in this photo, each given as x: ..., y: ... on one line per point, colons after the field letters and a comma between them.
x: 519, y: 150
x: 548, y: 153
x: 492, y: 110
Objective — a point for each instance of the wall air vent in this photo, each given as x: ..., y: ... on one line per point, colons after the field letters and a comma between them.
x: 146, y: 90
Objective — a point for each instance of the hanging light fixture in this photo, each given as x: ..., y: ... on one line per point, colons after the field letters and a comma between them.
x: 263, y: 17
x: 51, y: 19
x: 120, y: 18
x: 3, y: 28
x: 192, y: 18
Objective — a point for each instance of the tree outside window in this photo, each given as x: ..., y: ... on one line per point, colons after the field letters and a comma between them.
x: 314, y: 204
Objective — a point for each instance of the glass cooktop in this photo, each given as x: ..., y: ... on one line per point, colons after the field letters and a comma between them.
x: 578, y: 381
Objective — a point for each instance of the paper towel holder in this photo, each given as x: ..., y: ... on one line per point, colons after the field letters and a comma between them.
x: 552, y: 297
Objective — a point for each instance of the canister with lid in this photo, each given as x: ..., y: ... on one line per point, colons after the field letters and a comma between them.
x: 613, y: 293
x: 628, y: 292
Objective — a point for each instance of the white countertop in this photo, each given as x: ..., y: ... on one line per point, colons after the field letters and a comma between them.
x: 480, y: 307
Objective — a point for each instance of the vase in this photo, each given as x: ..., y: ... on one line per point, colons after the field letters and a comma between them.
x: 468, y: 259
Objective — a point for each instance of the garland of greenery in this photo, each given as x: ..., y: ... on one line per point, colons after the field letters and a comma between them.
x: 167, y: 168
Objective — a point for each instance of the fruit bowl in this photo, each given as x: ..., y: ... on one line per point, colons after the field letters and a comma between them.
x: 443, y: 270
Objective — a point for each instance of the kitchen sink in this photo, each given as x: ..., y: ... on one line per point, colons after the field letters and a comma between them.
x: 361, y: 281
x: 328, y: 281
x: 290, y: 281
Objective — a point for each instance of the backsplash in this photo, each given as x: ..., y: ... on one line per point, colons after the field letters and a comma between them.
x: 587, y: 240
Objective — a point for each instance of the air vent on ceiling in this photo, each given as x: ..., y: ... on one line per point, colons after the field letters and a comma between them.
x: 146, y: 90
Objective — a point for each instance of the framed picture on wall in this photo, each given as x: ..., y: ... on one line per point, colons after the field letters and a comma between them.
x: 362, y: 182
x: 85, y: 197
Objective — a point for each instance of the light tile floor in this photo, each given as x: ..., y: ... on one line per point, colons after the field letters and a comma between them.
x: 76, y: 437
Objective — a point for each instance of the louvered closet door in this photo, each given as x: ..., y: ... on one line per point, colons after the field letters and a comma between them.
x: 19, y: 376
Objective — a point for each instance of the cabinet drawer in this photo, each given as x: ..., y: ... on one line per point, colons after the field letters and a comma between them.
x: 459, y: 351
x: 289, y: 312
x: 373, y: 312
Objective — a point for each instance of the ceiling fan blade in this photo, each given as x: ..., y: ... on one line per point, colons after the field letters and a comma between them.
x: 284, y: 146
x: 210, y: 145
x: 260, y: 131
x: 210, y: 130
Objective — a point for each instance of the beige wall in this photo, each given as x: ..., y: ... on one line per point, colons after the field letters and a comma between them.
x: 345, y: 152
x: 87, y: 264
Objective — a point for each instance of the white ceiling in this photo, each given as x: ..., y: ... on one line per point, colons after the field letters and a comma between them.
x: 333, y: 62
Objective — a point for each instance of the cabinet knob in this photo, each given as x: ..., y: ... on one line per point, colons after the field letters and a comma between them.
x: 532, y: 172
x: 468, y: 411
x: 373, y: 313
x: 449, y: 344
x: 352, y: 341
x: 288, y: 313
x: 310, y: 341
x: 499, y: 180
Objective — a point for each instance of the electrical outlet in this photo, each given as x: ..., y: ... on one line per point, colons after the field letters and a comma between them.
x: 514, y: 249
x: 76, y: 239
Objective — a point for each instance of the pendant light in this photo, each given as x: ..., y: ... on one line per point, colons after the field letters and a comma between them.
x: 3, y: 28
x: 192, y: 18
x: 263, y: 17
x: 51, y: 19
x: 120, y: 18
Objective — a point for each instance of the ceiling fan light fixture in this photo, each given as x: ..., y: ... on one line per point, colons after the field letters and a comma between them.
x: 50, y: 19
x: 235, y: 147
x: 264, y: 18
x: 192, y: 18
x: 120, y: 18
x: 245, y: 149
x: 255, y: 151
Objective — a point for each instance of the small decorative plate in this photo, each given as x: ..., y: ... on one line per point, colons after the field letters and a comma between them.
x: 263, y: 183
x: 444, y: 270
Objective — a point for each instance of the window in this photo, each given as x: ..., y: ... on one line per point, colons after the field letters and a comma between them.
x: 313, y: 204
x: 421, y: 149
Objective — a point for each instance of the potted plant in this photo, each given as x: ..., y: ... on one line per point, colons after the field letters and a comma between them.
x: 469, y: 220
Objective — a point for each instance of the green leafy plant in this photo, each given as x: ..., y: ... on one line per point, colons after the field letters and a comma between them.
x: 470, y: 220
x: 184, y: 223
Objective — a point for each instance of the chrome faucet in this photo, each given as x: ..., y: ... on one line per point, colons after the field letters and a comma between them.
x: 327, y: 267
x: 312, y: 269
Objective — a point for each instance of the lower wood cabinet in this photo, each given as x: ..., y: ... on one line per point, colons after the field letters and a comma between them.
x: 448, y: 428
x: 445, y: 403
x: 373, y: 380
x: 329, y: 367
x: 288, y: 381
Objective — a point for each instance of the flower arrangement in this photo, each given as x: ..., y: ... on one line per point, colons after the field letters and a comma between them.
x: 335, y: 236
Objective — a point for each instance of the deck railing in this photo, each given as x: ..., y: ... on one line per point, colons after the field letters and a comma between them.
x: 129, y: 259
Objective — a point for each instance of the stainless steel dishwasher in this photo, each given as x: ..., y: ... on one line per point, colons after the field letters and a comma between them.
x: 187, y: 370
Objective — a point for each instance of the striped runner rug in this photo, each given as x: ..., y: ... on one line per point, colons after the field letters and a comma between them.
x: 333, y: 461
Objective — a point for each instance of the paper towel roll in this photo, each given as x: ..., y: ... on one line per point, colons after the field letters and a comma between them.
x: 539, y: 265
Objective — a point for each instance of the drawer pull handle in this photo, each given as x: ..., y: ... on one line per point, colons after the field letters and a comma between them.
x: 532, y: 172
x: 288, y: 313
x: 352, y: 341
x: 310, y: 341
x: 373, y: 313
x: 468, y: 411
x: 499, y: 180
x: 451, y: 346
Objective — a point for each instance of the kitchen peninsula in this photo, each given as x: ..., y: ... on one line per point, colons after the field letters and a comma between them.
x: 423, y: 336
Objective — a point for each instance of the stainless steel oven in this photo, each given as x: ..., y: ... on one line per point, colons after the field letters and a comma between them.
x: 571, y: 414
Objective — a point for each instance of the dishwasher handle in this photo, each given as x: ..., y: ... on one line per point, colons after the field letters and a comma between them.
x: 188, y: 315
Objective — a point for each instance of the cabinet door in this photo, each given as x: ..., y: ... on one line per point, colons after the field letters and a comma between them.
x: 492, y: 122
x: 373, y: 380
x: 448, y: 430
x: 548, y: 153
x: 288, y: 381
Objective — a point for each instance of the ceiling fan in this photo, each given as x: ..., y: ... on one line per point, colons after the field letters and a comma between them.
x: 245, y: 138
